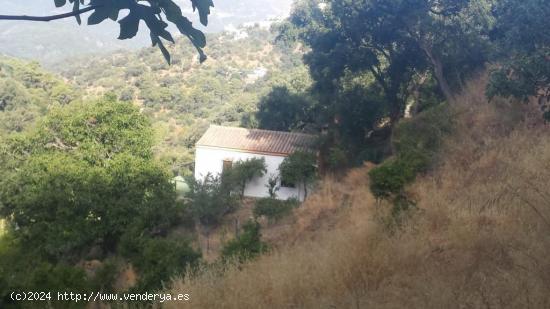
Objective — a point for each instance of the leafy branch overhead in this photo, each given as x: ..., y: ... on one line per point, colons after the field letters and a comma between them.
x: 155, y: 13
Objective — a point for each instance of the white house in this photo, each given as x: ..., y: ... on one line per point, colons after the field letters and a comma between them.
x: 220, y: 146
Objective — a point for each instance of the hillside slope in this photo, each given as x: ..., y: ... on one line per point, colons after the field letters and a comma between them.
x: 182, y: 99
x: 27, y: 92
x: 479, y: 238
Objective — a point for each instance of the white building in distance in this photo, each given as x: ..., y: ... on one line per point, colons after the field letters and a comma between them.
x: 220, y: 146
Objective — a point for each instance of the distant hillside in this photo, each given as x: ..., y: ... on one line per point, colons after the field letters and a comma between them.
x: 52, y: 42
x: 26, y: 92
x: 182, y: 99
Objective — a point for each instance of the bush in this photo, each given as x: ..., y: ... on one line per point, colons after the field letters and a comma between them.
x: 416, y: 143
x: 337, y: 158
x: 248, y: 245
x: 209, y: 200
x: 242, y: 172
x: 23, y: 271
x: 418, y: 140
x: 274, y: 209
x: 157, y: 259
x: 390, y: 178
x: 299, y: 168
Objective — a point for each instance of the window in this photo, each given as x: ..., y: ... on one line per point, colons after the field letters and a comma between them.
x: 227, y: 164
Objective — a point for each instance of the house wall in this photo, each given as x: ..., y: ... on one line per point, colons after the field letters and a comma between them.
x: 210, y: 160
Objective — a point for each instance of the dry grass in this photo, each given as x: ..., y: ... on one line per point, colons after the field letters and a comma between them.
x: 480, y: 239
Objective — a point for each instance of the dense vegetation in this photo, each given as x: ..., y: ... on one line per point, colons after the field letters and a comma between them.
x: 374, y: 62
x: 184, y: 98
x: 27, y: 92
x: 86, y: 163
x: 83, y: 184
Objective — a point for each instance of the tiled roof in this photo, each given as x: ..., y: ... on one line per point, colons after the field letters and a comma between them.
x: 256, y: 141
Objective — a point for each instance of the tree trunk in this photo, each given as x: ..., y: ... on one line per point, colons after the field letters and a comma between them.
x: 438, y: 71
x: 416, y: 94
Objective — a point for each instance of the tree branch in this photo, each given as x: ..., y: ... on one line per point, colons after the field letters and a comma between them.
x: 50, y: 18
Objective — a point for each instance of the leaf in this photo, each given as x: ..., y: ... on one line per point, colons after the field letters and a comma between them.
x: 203, y: 6
x: 129, y: 26
x: 113, y: 15
x: 202, y: 55
x: 98, y: 16
x: 60, y: 3
x: 76, y: 7
x: 164, y: 51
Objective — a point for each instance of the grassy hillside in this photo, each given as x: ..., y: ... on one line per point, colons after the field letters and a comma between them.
x: 184, y: 98
x: 478, y: 237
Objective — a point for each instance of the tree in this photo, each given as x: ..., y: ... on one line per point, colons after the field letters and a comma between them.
x: 393, y: 41
x: 84, y: 178
x: 152, y: 12
x: 372, y: 59
x: 282, y: 110
x: 209, y: 199
x: 299, y: 168
x: 243, y: 172
x: 521, y: 33
x: 248, y: 245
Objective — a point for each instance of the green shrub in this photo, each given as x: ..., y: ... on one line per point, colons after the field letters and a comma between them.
x: 242, y: 172
x: 274, y: 209
x: 418, y: 140
x: 157, y: 260
x: 21, y: 270
x: 390, y: 178
x: 248, y: 245
x: 337, y: 158
x: 209, y: 200
x: 299, y: 168
x: 416, y: 143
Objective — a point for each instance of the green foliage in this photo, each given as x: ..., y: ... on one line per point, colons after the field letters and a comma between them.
x: 299, y: 168
x: 91, y: 176
x: 209, y: 199
x: 22, y: 271
x: 273, y: 208
x: 390, y: 178
x: 521, y: 33
x: 273, y: 186
x: 337, y: 159
x: 153, y: 13
x: 183, y: 100
x: 404, y: 37
x: 243, y: 172
x: 83, y: 181
x: 26, y: 92
x: 282, y: 110
x: 416, y: 142
x: 247, y: 246
x: 371, y: 59
x: 157, y: 260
